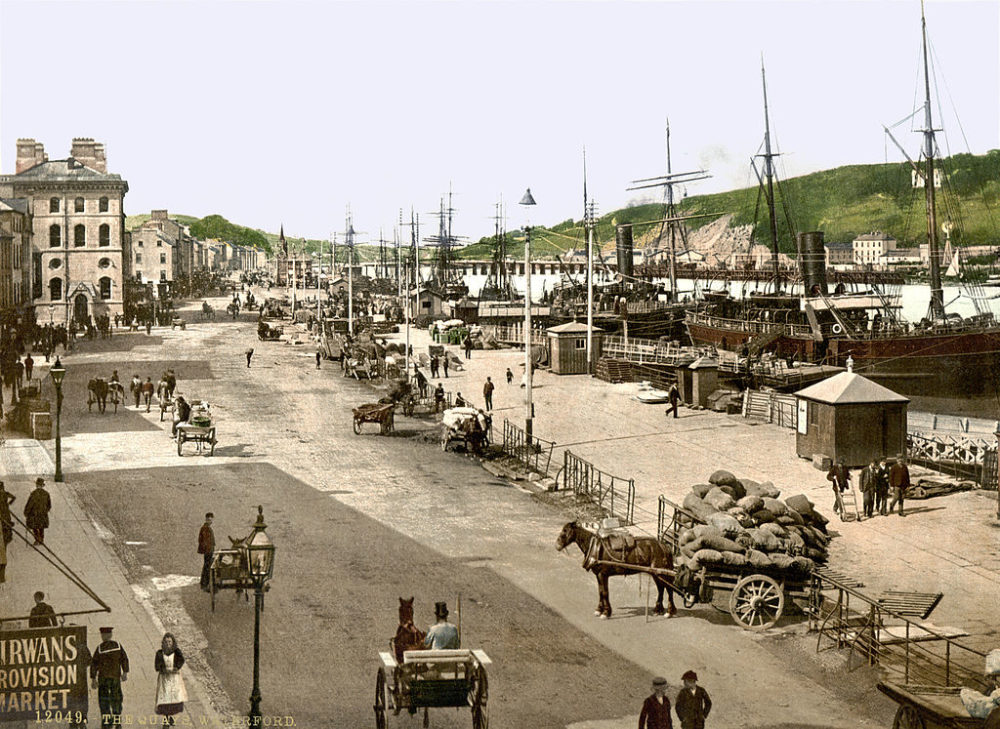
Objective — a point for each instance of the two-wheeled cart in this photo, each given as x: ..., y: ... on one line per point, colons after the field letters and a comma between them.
x: 933, y: 707
x: 381, y: 413
x: 431, y: 679
x: 203, y: 436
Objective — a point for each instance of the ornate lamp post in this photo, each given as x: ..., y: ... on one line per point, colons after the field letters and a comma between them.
x: 260, y: 552
x: 57, y: 373
x: 527, y: 202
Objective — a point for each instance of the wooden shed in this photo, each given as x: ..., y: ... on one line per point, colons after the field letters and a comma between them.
x: 568, y: 347
x: 848, y: 416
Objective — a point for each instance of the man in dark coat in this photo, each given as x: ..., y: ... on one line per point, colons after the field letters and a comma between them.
x: 36, y: 511
x: 693, y: 704
x: 206, y: 547
x: 488, y: 393
x: 869, y: 483
x: 882, y: 488
x: 42, y: 615
x: 840, y: 476
x: 899, y: 480
x: 108, y: 669
x: 674, y: 396
x: 655, y: 712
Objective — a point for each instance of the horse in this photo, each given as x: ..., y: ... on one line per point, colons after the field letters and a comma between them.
x: 207, y: 312
x: 408, y: 636
x: 97, y: 391
x: 629, y: 557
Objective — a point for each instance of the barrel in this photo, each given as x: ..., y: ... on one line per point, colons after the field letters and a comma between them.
x: 812, y: 262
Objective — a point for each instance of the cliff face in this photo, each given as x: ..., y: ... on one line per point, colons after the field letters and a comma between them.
x: 716, y: 240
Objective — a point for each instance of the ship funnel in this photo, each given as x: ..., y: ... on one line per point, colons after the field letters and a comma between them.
x: 812, y: 262
x: 623, y: 246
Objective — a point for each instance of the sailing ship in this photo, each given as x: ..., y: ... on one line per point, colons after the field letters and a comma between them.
x: 943, y: 355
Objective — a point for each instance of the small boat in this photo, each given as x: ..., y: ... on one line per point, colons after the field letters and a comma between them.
x: 651, y: 395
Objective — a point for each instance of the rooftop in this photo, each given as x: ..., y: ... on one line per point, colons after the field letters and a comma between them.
x: 68, y: 170
x: 849, y: 388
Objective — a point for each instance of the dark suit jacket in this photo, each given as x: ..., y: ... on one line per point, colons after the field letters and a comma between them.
x: 899, y: 476
x: 654, y: 714
x: 693, y: 708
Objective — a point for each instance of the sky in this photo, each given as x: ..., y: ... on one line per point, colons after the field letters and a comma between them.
x: 286, y: 113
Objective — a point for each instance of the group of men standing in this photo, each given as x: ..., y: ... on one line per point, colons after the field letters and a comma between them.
x: 877, y: 478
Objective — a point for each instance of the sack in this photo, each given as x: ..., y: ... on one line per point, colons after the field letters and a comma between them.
x: 776, y: 507
x: 750, y: 504
x: 725, y: 523
x: 762, y: 517
x: 758, y: 560
x: 802, y: 564
x: 708, y: 556
x: 800, y: 503
x: 734, y: 558
x: 782, y: 561
x: 764, y: 542
x: 766, y: 489
x: 775, y: 529
x: 723, y: 478
x: 698, y: 507
x: 979, y: 705
x: 719, y: 499
x: 720, y: 544
x: 741, y: 516
x: 701, y: 489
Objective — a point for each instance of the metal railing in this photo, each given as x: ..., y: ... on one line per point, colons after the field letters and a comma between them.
x: 534, y: 453
x: 960, y: 455
x: 511, y: 334
x: 614, y: 494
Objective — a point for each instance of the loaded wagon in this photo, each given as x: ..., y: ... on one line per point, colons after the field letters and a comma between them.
x: 431, y: 679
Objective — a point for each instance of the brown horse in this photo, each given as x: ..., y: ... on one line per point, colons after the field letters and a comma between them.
x: 408, y: 636
x: 637, y: 551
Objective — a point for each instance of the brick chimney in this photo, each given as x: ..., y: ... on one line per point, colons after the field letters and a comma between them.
x: 29, y: 154
x: 89, y: 153
x: 158, y: 215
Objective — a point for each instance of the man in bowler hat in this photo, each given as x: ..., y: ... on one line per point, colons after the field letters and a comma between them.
x: 693, y: 703
x: 36, y: 511
x: 108, y: 670
x: 656, y: 708
x: 442, y: 635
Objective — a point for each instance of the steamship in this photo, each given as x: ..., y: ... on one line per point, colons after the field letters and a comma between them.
x: 943, y: 355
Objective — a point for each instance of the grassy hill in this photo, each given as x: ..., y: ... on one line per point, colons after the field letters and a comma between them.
x: 843, y: 202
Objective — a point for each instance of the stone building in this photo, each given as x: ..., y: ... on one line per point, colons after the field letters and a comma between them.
x: 15, y: 259
x: 79, y: 247
x: 870, y: 248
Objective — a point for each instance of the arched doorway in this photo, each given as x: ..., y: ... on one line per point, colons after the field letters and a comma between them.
x: 80, y: 309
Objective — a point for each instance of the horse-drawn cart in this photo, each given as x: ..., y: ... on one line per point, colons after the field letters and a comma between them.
x: 469, y: 425
x: 376, y: 412
x: 230, y: 570
x: 933, y: 707
x: 431, y: 679
x: 203, y: 436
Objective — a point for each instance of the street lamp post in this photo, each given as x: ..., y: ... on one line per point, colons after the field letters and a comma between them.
x: 260, y: 553
x: 57, y: 373
x: 527, y: 201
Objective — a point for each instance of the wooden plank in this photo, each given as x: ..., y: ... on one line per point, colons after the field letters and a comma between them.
x: 388, y: 660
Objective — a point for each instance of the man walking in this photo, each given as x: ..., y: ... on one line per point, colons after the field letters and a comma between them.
x: 108, y: 670
x: 468, y: 347
x: 510, y: 377
x: 439, y: 398
x: 42, y: 615
x: 319, y: 357
x: 147, y: 392
x: 29, y: 365
x: 444, y: 363
x: 693, y: 703
x: 840, y: 476
x: 674, y: 396
x: 249, y: 355
x: 206, y: 547
x: 882, y: 488
x: 869, y: 484
x: 136, y: 388
x: 36, y: 511
x: 899, y: 480
x: 488, y: 394
x: 655, y: 712
x: 434, y: 366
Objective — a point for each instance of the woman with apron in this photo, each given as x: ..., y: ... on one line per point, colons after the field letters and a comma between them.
x: 170, y: 691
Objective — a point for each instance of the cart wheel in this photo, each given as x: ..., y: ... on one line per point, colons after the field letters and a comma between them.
x: 480, y: 694
x: 357, y: 427
x: 180, y: 441
x: 380, y: 720
x: 756, y: 602
x: 907, y: 717
x: 211, y: 587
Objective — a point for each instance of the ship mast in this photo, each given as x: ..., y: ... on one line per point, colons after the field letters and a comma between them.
x: 769, y: 175
x: 936, y: 307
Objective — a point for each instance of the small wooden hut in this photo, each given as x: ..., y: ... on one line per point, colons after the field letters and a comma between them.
x: 568, y: 347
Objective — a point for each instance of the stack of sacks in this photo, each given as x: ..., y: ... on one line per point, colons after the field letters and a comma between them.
x: 746, y: 524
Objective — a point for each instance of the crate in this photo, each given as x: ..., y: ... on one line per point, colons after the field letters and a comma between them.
x: 41, y: 426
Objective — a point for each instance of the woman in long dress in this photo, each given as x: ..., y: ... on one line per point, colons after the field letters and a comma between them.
x: 170, y: 691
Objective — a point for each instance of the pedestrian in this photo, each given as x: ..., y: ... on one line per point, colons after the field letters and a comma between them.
x: 19, y: 373
x: 136, y: 388
x: 29, y: 365
x: 206, y: 548
x: 655, y: 712
x: 249, y: 354
x: 439, y: 397
x: 899, y: 480
x: 149, y: 326
x: 442, y: 635
x: 421, y: 382
x: 147, y: 392
x: 488, y: 394
x: 36, y: 511
x: 42, y: 615
x: 170, y: 691
x: 6, y: 518
x: 869, y: 484
x: 882, y: 488
x: 674, y: 396
x: 319, y: 357
x: 444, y: 363
x: 510, y: 377
x: 468, y: 347
x: 459, y: 400
x: 108, y: 670
x: 693, y: 703
x: 840, y: 476
x: 182, y: 414
x: 435, y: 366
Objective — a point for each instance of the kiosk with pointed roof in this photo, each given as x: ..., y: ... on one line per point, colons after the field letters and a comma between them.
x: 849, y: 416
x: 568, y: 345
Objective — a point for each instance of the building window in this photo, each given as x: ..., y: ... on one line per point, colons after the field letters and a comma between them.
x: 581, y: 343
x: 103, y: 205
x: 138, y: 258
x: 55, y: 263
x: 55, y: 236
x: 163, y: 275
x: 105, y: 284
x: 78, y: 205
x: 55, y: 289
x: 54, y: 205
x: 159, y: 244
x: 104, y: 235
x: 139, y: 244
x: 79, y: 236
x: 104, y: 263
x: 163, y: 258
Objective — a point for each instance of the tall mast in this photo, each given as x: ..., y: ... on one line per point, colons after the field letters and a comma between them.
x: 769, y: 174
x: 672, y: 225
x: 936, y: 307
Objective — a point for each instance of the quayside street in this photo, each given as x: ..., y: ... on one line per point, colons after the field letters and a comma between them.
x: 360, y: 521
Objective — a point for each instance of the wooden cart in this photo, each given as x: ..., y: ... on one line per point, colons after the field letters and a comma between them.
x: 203, y: 436
x: 230, y: 570
x: 933, y: 707
x: 432, y: 679
x: 381, y: 413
